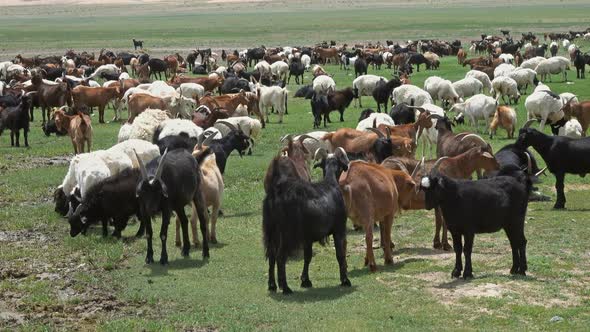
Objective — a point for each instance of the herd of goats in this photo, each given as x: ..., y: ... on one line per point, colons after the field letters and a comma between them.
x: 173, y: 148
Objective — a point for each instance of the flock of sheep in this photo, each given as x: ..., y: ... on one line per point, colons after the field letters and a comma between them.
x: 173, y: 149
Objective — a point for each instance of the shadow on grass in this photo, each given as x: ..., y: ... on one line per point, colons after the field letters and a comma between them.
x: 302, y: 295
x: 397, y: 264
x: 240, y: 214
x: 420, y: 251
x: 158, y: 270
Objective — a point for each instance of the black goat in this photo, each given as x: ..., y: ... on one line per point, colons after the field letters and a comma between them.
x: 137, y: 43
x: 113, y: 198
x: 365, y: 114
x: 168, y: 184
x: 561, y: 154
x: 157, y: 67
x: 360, y: 66
x: 322, y: 105
x: 483, y: 206
x: 418, y: 59
x: 223, y: 147
x: 16, y: 118
x: 296, y: 213
x: 580, y: 62
x: 234, y: 85
x: 376, y: 60
x: 297, y: 69
x: 304, y: 92
x: 402, y: 113
x: 382, y: 92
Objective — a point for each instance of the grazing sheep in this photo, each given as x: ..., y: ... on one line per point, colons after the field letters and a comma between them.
x: 503, y: 70
x: 468, y: 87
x: 478, y: 107
x: 411, y: 95
x: 144, y: 125
x: 323, y: 85
x: 442, y: 89
x: 545, y: 105
x: 568, y: 97
x: 552, y: 66
x: 364, y: 86
x: 507, y: 58
x: 373, y: 120
x: 280, y: 69
x: 524, y: 77
x: 482, y: 77
x: 532, y: 63
x: 191, y: 90
x: 505, y: 86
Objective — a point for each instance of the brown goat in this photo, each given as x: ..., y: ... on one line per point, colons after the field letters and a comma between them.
x: 94, y: 97
x: 78, y: 127
x: 172, y: 63
x: 580, y: 111
x: 139, y: 102
x: 297, y: 153
x: 51, y: 95
x: 479, y: 61
x: 373, y: 193
x: 461, y: 56
x: 411, y: 130
x: 459, y: 167
x: 209, y: 83
x: 205, y: 118
x: 505, y: 117
x: 231, y: 101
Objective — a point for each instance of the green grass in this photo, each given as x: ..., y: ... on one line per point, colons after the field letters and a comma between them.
x: 104, y: 284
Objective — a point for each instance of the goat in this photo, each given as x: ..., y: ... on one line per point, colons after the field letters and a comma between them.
x: 16, y: 118
x: 482, y: 206
x: 382, y: 91
x: 51, y: 95
x: 297, y: 213
x: 580, y: 111
x: 91, y: 97
x: 167, y: 184
x: 561, y: 154
x: 79, y: 128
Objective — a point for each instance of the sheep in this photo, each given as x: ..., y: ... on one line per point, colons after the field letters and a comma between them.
x: 468, y: 87
x: 364, y: 86
x: 306, y: 61
x: 280, y: 69
x: 482, y: 77
x: 108, y: 69
x: 568, y: 97
x: 581, y: 111
x: 541, y: 87
x: 442, y: 89
x: 313, y: 142
x: 572, y: 129
x: 273, y: 96
x: 322, y: 212
x: 411, y: 94
x: 561, y: 154
x: 478, y: 107
x: 264, y: 69
x: 507, y: 58
x: 79, y: 128
x: 505, y: 86
x: 552, y: 66
x: 433, y: 58
x: 144, y: 125
x: 482, y: 206
x: 504, y: 117
x: 524, y: 77
x: 168, y: 184
x: 374, y: 120
x: 323, y: 85
x: 545, y: 105
x: 193, y: 90
x: 532, y: 63
x: 503, y: 70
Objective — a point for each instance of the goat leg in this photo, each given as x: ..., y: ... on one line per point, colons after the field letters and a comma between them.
x: 105, y: 227
x: 149, y: 258
x: 282, y: 273
x: 560, y: 202
x: 272, y: 285
x: 307, y: 254
x: 467, y: 249
x: 340, y: 245
x: 458, y: 246
x: 369, y: 257
x: 164, y: 234
x: 199, y: 202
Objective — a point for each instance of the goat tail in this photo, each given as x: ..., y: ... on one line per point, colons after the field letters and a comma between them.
x: 285, y: 94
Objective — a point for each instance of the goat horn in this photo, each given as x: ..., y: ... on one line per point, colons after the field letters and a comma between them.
x: 437, y: 164
x: 303, y: 137
x: 376, y: 131
x: 417, y: 167
x: 160, y: 166
x: 142, y: 169
x: 208, y: 139
x: 541, y: 171
x: 473, y: 135
x: 228, y: 124
x: 528, y: 123
x: 529, y: 163
x: 320, y: 153
x: 339, y: 152
x: 288, y: 137
x: 402, y: 167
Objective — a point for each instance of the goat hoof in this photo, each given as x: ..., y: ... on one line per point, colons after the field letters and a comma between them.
x: 346, y: 283
x: 205, y: 254
x: 177, y: 243
x: 372, y: 267
x: 287, y: 290
x: 163, y: 260
x: 456, y: 273
x: 306, y: 283
x: 437, y: 245
x: 447, y: 247
x: 149, y: 260
x: 185, y: 252
x: 213, y: 240
x: 559, y: 206
x: 272, y: 287
x: 389, y: 261
x: 467, y: 275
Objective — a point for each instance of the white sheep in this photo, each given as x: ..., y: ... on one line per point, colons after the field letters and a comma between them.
x: 109, y: 69
x: 478, y: 107
x: 545, y: 105
x: 507, y: 58
x: 565, y: 43
x: 468, y: 87
x: 306, y: 61
x: 532, y: 63
x: 572, y: 129
x: 503, y: 70
x: 552, y: 66
x: 174, y: 127
x: 312, y: 145
x: 411, y: 95
x: 524, y: 77
x: 441, y: 89
x: 67, y: 63
x: 134, y: 148
x: 191, y: 90
x: 364, y: 86
x: 272, y: 96
x: 505, y: 86
x: 90, y: 170
x: 4, y: 69
x: 482, y: 77
x: 14, y: 69
x: 323, y: 85
x: 263, y: 68
x: 568, y: 97
x: 144, y: 125
x: 587, y: 36
x: 251, y: 127
x: 380, y: 118
x: 280, y: 69
x: 541, y: 87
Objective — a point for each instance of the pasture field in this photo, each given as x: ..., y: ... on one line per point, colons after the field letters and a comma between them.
x: 49, y: 281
